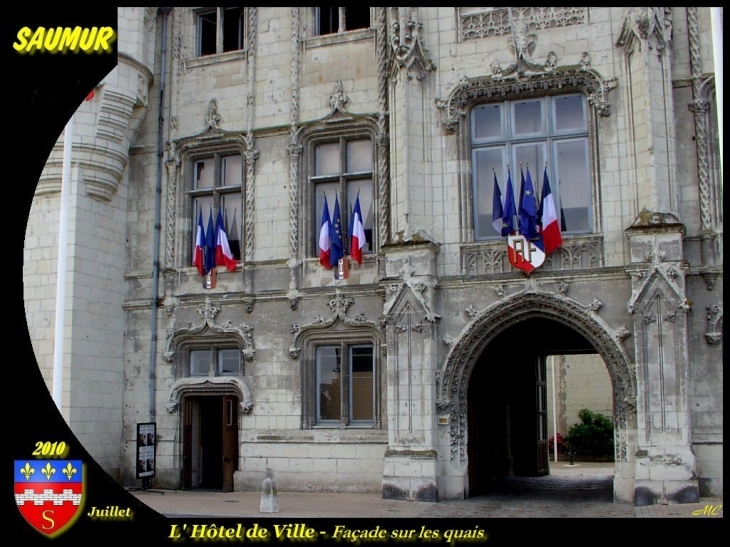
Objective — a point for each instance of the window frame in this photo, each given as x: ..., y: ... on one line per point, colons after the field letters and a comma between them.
x: 214, y: 347
x: 345, y: 340
x: 549, y: 137
x: 346, y: 372
x: 342, y: 178
x: 341, y: 22
x: 220, y: 32
x: 192, y: 193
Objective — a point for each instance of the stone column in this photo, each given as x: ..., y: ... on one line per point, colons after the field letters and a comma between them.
x: 665, y: 467
x: 411, y: 466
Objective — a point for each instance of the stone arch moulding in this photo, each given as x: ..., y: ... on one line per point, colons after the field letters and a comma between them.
x: 192, y: 333
x: 339, y: 305
x: 453, y: 380
x: 581, y: 76
x: 218, y: 385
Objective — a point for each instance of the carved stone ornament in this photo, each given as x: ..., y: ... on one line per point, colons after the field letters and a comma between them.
x: 646, y: 23
x: 405, y: 39
x: 714, y: 329
x: 532, y: 301
x: 644, y: 279
x: 511, y: 82
x: 212, y: 385
x: 421, y: 288
x: 208, y: 314
x: 339, y: 306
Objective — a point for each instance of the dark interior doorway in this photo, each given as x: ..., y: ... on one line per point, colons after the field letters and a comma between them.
x: 507, y: 402
x: 210, y: 441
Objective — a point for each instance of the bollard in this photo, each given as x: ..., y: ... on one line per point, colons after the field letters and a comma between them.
x: 269, y: 502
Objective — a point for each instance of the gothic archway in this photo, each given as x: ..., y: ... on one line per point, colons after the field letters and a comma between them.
x: 453, y: 379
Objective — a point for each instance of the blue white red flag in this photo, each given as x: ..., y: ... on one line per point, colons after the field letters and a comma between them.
x: 551, y: 236
x: 528, y: 208
x: 223, y: 254
x: 337, y: 248
x: 510, y: 210
x: 324, y: 237
x: 209, y: 244
x: 357, y: 232
x: 497, y: 207
x: 198, y: 252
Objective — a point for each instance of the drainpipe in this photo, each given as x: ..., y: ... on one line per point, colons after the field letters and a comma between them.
x: 158, y: 208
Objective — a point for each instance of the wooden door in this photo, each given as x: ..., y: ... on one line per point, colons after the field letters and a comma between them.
x: 230, y: 440
x: 187, y: 463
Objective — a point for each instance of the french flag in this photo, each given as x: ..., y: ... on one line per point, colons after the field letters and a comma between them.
x: 324, y: 237
x: 551, y: 236
x: 199, y: 244
x: 223, y: 254
x: 357, y: 232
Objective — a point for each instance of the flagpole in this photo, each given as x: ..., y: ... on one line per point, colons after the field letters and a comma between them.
x: 60, y: 325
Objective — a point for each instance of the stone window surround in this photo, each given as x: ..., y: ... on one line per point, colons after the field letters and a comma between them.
x: 322, y: 135
x: 194, y: 60
x: 189, y: 156
x: 182, y: 356
x: 465, y: 149
x: 309, y: 23
x: 550, y: 138
x: 348, y: 337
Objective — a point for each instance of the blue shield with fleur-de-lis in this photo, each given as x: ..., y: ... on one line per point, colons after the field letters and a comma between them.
x: 49, y: 493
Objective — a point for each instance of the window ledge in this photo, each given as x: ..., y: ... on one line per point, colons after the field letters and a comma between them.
x: 237, y: 55
x: 340, y: 38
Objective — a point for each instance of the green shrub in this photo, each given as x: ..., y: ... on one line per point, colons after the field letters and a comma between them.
x: 592, y: 437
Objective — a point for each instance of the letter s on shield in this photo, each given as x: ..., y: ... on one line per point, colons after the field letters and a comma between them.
x: 49, y: 493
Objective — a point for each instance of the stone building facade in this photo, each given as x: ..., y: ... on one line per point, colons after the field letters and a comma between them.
x: 421, y: 375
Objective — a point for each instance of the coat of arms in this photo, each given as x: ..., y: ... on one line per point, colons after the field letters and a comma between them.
x: 49, y: 493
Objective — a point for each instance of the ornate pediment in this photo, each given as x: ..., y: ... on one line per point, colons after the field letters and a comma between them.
x: 339, y: 319
x: 522, y: 77
x: 207, y: 315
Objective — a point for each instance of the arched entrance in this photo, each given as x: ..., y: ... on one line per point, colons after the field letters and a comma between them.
x: 210, y: 441
x: 507, y: 401
x: 506, y: 334
x: 210, y: 412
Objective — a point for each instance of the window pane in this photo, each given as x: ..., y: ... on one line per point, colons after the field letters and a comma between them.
x: 232, y: 29
x: 327, y: 159
x: 230, y: 202
x: 357, y: 17
x: 574, y: 183
x: 329, y: 373
x: 327, y: 19
x: 365, y: 189
x: 569, y: 113
x: 532, y: 156
x: 359, y: 156
x: 199, y: 362
x: 204, y: 204
x: 488, y: 121
x: 207, y: 28
x: 203, y: 174
x: 329, y: 189
x: 362, y: 383
x: 232, y: 170
x: 229, y: 361
x: 486, y: 163
x: 527, y: 118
